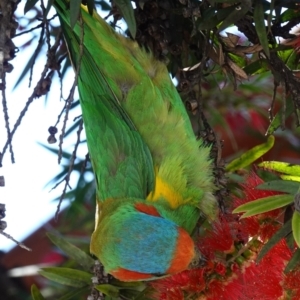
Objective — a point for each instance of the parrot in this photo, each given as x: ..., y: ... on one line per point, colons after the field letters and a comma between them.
x: 154, y: 178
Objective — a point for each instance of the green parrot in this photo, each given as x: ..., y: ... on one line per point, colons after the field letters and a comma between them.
x: 154, y: 178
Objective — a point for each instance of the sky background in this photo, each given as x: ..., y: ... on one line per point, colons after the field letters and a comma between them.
x: 28, y: 202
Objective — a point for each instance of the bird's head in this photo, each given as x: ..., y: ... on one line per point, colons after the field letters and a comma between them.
x: 135, y: 243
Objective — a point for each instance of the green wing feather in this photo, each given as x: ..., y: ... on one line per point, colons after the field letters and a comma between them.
x: 142, y: 92
x: 121, y: 160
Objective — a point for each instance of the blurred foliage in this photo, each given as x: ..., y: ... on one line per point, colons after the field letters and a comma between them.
x: 237, y: 62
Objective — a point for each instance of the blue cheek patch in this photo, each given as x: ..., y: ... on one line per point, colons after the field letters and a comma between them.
x: 147, y: 243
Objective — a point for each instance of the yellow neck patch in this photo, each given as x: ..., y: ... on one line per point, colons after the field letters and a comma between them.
x: 163, y: 190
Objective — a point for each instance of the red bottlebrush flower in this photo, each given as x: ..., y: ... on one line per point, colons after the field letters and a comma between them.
x: 265, y: 279
x: 219, y: 238
x: 226, y: 289
x: 231, y: 272
x: 292, y: 284
x: 265, y: 224
x: 189, y: 281
x: 175, y: 294
x: 220, y: 269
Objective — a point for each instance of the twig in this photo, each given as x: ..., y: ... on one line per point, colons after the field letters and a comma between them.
x: 71, y: 165
x: 271, y: 109
x: 36, y: 27
x: 84, y: 163
x: 45, y: 22
x: 34, y: 94
x: 17, y: 242
x: 67, y: 108
x: 6, y: 118
x: 35, y: 54
x: 283, y: 106
x: 72, y: 91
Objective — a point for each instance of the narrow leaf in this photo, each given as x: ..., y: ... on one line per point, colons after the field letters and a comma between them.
x: 28, y: 65
x: 66, y: 276
x: 74, y: 11
x: 72, y: 251
x: 259, y: 22
x: 285, y: 186
x: 72, y: 128
x: 75, y: 292
x: 280, y: 234
x: 276, y: 122
x: 257, y: 67
x: 35, y: 293
x: 127, y: 12
x: 296, y: 227
x: 136, y: 285
x: 29, y: 5
x: 250, y: 156
x: 281, y: 167
x: 208, y: 23
x: 263, y: 205
x: 238, y: 13
x: 108, y: 290
x: 290, y: 178
x: 294, y: 261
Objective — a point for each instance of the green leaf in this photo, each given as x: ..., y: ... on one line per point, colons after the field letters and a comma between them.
x: 67, y: 276
x: 208, y: 23
x: 266, y: 175
x: 288, y: 15
x: 35, y: 293
x: 257, y: 67
x: 127, y: 12
x: 259, y: 22
x: 136, y: 285
x: 211, y: 18
x: 65, y: 154
x: 294, y: 262
x: 29, y: 5
x: 263, y: 205
x: 296, y: 227
x: 290, y: 178
x: 75, y: 292
x: 280, y: 234
x: 74, y: 12
x: 28, y: 65
x: 146, y: 294
x: 276, y: 122
x: 237, y: 14
x: 285, y: 186
x: 251, y: 155
x: 108, y: 290
x: 73, y: 127
x: 288, y: 3
x: 281, y: 167
x: 72, y: 251
x: 224, y: 12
